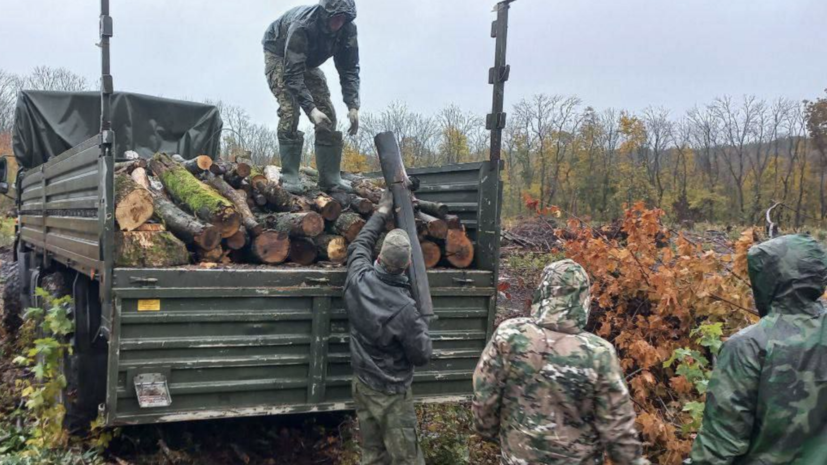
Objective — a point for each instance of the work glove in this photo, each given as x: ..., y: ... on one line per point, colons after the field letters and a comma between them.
x: 353, y: 116
x: 386, y: 203
x: 321, y: 119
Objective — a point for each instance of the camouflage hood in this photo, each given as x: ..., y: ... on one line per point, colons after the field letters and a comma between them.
x: 788, y: 275
x: 563, y: 299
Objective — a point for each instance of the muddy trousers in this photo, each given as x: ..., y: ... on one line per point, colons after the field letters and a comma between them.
x: 388, y: 426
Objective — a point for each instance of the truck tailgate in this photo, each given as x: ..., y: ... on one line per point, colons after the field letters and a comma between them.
x: 270, y: 340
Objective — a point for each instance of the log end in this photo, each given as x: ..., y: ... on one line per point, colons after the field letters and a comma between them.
x: 204, y: 162
x: 303, y: 252
x: 271, y: 247
x: 431, y: 253
x: 459, y: 250
x: 227, y: 221
x: 238, y: 240
x: 209, y: 239
x: 134, y: 209
x: 331, y: 211
x: 313, y: 224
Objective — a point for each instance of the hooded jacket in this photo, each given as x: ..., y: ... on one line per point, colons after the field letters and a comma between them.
x: 388, y: 336
x: 302, y: 37
x: 553, y: 393
x: 767, y: 399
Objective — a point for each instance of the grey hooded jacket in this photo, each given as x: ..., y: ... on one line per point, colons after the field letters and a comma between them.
x: 303, y: 38
x: 388, y: 336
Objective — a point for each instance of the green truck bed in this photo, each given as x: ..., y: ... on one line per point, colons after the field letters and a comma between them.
x: 244, y: 340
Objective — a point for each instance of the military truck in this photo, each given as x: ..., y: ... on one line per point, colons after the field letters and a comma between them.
x: 186, y: 343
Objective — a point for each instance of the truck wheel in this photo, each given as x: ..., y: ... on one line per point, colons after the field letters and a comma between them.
x: 12, y: 302
x: 85, y: 368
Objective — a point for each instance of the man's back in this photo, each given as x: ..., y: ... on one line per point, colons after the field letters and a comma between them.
x: 767, y: 401
x: 388, y: 336
x: 552, y: 392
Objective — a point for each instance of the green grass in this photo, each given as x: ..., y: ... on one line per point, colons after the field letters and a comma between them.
x: 6, y: 232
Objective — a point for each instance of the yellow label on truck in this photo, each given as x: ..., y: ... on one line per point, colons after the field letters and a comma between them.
x: 149, y: 305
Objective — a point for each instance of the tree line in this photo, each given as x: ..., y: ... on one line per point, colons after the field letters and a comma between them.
x: 725, y: 161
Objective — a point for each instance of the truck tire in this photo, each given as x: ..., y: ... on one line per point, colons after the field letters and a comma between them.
x: 85, y: 368
x: 12, y: 301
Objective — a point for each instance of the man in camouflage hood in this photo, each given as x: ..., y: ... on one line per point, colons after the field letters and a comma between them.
x: 295, y: 46
x: 767, y: 400
x: 551, y: 392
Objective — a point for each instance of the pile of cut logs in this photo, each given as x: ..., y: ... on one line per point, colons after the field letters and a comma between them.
x: 171, y: 212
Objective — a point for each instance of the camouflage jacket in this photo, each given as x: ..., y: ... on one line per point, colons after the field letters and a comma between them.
x: 767, y: 400
x: 553, y: 393
x: 302, y: 37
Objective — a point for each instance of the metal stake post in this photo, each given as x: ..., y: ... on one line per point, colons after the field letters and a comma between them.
x: 498, y: 75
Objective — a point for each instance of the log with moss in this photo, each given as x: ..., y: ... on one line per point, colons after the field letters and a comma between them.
x: 196, y: 166
x: 133, y: 203
x: 256, y: 174
x: 434, y: 227
x: 238, y: 199
x: 204, y: 202
x: 305, y: 224
x: 303, y: 251
x: 148, y: 249
x: 348, y: 226
x: 185, y: 226
x: 271, y: 247
x: 331, y: 248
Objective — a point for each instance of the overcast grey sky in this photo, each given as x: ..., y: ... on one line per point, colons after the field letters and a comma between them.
x: 429, y: 53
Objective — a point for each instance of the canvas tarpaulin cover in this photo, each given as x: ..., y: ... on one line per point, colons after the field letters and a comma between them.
x: 48, y: 123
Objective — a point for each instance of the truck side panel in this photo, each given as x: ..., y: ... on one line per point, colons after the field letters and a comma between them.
x: 59, y: 208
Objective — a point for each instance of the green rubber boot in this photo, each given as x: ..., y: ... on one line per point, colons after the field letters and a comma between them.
x: 290, y: 151
x: 329, y: 163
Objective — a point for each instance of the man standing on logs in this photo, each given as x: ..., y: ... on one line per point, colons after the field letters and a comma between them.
x: 295, y: 46
x: 388, y: 337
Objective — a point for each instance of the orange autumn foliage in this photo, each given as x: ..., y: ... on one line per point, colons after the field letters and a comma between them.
x: 651, y: 289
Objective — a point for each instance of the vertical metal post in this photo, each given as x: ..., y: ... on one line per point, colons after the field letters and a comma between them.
x: 106, y: 166
x: 106, y: 218
x: 106, y: 76
x: 490, y: 200
x: 497, y: 76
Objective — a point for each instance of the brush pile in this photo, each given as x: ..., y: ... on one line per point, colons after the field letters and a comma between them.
x: 171, y: 212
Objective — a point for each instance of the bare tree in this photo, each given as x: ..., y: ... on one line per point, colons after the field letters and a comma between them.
x: 738, y: 125
x: 9, y: 86
x: 456, y: 129
x: 48, y: 78
x: 658, y: 138
x: 706, y: 143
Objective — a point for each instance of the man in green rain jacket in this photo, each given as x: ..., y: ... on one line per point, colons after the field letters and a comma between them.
x: 767, y: 400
